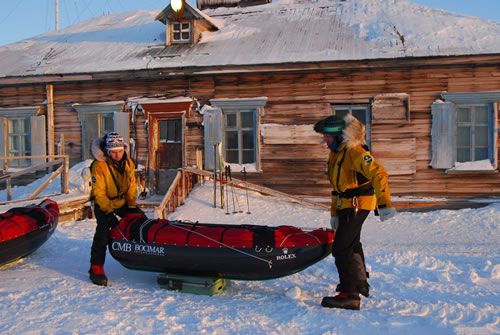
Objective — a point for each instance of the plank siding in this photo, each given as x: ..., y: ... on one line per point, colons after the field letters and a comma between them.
x: 293, y: 159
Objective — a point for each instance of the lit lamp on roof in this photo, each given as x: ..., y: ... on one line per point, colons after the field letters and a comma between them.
x: 177, y: 7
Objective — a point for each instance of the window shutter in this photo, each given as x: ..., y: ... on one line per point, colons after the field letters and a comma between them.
x: 443, y: 135
x: 90, y: 131
x: 492, y: 135
x: 391, y: 108
x: 38, y: 139
x: 3, y: 128
x: 121, y: 125
x: 212, y: 122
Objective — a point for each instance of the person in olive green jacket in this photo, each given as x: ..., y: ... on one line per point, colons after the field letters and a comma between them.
x: 114, y: 191
x: 360, y: 185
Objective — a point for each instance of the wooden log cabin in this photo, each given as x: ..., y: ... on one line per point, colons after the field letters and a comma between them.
x: 255, y: 78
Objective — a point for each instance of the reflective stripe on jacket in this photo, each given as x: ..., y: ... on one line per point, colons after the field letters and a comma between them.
x: 357, y: 167
x: 104, y: 189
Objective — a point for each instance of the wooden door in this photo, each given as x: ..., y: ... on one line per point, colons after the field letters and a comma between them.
x: 170, y: 144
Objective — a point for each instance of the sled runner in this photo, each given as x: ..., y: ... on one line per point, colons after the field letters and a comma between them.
x: 193, y: 285
x: 25, y: 229
x: 244, y: 252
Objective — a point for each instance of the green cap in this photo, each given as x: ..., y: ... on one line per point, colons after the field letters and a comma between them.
x: 333, y: 124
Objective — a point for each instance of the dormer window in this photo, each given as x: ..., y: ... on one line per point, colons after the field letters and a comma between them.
x: 181, y: 32
x: 185, y: 26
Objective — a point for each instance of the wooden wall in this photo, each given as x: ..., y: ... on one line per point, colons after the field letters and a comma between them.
x: 293, y: 159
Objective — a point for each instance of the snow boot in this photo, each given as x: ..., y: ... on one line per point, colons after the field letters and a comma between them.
x: 342, y: 300
x: 97, y: 276
x: 362, y: 288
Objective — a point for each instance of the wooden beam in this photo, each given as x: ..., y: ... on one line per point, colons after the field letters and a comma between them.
x: 50, y: 120
x: 31, y: 169
x: 47, y: 182
x: 261, y: 189
x: 159, y: 212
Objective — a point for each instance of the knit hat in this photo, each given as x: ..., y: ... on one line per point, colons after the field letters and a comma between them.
x: 333, y: 125
x: 114, y: 141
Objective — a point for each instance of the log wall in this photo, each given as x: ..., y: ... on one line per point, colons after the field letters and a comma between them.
x: 293, y: 160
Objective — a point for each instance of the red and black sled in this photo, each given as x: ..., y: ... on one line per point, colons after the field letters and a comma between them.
x: 25, y: 229
x: 244, y: 252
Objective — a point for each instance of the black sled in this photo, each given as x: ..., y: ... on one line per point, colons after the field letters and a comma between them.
x: 24, y: 229
x: 242, y: 252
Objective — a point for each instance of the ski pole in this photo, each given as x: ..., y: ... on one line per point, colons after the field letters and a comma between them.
x: 228, y: 167
x: 215, y: 176
x: 227, y: 198
x: 246, y: 189
x: 221, y: 167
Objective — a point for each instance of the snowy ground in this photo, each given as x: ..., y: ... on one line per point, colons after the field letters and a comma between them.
x: 431, y: 273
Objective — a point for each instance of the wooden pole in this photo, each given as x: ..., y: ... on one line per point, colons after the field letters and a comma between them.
x: 5, y: 134
x: 65, y: 176
x: 50, y: 121
x: 60, y: 151
x: 183, y: 180
x: 9, y: 189
x: 57, y: 15
x: 199, y: 163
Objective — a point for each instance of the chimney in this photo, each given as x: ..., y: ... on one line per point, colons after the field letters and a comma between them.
x: 204, y: 4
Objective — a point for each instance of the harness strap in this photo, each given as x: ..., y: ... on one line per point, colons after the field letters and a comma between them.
x: 119, y: 196
x: 366, y: 189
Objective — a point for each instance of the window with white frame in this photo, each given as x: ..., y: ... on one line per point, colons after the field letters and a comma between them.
x: 473, y: 130
x: 235, y: 124
x: 464, y: 132
x: 360, y: 112
x: 99, y: 119
x: 181, y: 32
x: 22, y: 134
x: 19, y: 138
x: 239, y: 136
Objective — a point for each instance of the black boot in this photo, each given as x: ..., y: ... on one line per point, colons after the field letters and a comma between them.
x: 362, y: 288
x: 97, y: 276
x: 359, y: 269
x: 342, y: 300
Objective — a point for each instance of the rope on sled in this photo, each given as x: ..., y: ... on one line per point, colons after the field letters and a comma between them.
x: 269, y: 262
x: 303, y: 233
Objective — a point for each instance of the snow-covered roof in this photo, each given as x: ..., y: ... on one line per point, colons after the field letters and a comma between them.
x: 287, y: 31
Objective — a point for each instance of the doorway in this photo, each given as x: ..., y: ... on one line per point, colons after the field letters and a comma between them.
x: 169, y: 152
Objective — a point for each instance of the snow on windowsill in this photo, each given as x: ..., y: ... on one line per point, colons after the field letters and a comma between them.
x: 476, y: 166
x: 236, y: 168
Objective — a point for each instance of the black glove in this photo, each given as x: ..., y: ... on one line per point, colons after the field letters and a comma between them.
x: 111, y: 220
x: 135, y: 210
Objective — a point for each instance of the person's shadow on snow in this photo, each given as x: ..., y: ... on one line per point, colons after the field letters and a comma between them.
x: 70, y: 257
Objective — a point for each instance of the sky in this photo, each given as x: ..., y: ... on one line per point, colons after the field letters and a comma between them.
x: 20, y: 19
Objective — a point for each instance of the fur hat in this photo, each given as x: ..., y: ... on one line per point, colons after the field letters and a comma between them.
x: 351, y: 129
x: 333, y: 125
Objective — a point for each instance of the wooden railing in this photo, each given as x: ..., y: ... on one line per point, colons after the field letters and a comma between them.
x: 63, y: 170
x: 176, y: 194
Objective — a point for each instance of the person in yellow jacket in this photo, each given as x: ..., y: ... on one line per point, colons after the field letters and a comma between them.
x: 360, y: 185
x: 114, y: 191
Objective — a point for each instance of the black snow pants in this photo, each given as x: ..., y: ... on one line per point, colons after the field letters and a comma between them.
x: 101, y: 237
x: 348, y: 251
